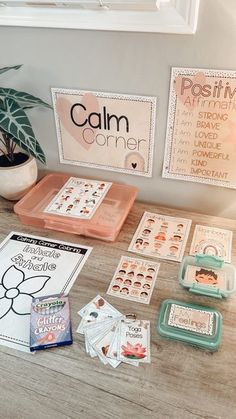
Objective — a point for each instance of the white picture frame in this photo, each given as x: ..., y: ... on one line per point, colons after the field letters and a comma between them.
x: 174, y: 16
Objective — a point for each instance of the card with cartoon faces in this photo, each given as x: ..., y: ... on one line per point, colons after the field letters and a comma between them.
x: 134, y: 279
x: 205, y: 276
x: 161, y: 236
x: 212, y: 241
x: 78, y: 198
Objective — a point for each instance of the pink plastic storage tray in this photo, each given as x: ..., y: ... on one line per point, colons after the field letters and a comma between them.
x: 105, y: 224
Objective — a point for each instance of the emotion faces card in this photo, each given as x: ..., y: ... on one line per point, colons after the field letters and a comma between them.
x: 205, y: 276
x: 212, y: 241
x: 78, y: 198
x: 134, y: 279
x: 161, y: 236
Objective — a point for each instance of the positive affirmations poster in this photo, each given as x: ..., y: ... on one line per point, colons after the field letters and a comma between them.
x: 201, y: 127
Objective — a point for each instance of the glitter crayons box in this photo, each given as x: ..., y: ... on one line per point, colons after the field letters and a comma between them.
x: 50, y: 323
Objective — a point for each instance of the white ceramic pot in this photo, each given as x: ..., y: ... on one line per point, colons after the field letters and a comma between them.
x: 16, y: 181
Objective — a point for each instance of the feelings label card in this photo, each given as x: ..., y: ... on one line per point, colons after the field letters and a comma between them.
x: 105, y: 131
x: 205, y: 276
x: 161, y: 236
x: 201, y: 127
x: 78, y: 198
x: 134, y: 279
x: 32, y: 266
x: 212, y: 241
x: 191, y: 319
x: 134, y: 341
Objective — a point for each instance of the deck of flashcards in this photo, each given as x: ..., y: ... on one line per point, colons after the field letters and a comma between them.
x: 50, y: 323
x: 112, y: 337
x: 134, y: 279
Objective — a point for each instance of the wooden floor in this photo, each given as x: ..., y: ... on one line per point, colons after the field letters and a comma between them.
x: 181, y: 382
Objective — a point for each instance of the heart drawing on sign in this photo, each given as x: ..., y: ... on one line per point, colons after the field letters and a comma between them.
x: 134, y: 160
x: 184, y: 88
x: 82, y: 107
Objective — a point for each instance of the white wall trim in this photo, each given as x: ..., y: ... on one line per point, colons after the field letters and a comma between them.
x: 176, y: 16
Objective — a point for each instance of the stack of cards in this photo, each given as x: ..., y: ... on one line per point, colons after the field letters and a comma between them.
x: 113, y: 337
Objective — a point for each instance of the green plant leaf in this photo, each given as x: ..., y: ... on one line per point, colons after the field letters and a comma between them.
x: 4, y: 69
x: 23, y: 98
x: 14, y: 120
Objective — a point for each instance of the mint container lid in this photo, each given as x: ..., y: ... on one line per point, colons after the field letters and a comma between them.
x: 190, y: 323
x: 207, y: 275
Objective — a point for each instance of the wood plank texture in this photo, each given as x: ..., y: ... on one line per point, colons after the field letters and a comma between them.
x: 181, y: 382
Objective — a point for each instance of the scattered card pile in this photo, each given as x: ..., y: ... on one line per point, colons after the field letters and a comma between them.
x: 113, y: 337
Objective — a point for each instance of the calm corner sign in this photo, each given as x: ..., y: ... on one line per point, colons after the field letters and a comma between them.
x: 106, y: 131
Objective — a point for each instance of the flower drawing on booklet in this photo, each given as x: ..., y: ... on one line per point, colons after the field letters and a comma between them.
x: 134, y: 351
x: 16, y: 291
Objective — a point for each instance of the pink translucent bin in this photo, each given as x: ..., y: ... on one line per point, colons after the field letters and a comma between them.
x: 105, y: 224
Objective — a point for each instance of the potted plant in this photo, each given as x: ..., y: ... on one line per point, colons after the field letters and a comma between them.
x: 19, y: 148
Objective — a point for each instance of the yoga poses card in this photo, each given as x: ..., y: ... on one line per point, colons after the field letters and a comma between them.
x: 78, y: 198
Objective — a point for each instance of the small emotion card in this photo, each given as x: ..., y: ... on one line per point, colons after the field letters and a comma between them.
x: 78, y: 198
x: 205, y: 276
x: 212, y: 241
x: 161, y: 236
x: 134, y: 279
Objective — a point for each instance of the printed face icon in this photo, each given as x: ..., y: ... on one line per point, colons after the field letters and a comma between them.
x: 125, y: 265
x: 148, y: 278
x: 131, y: 274
x: 146, y: 232
x: 137, y: 284
x: 115, y: 288
x: 207, y: 277
x: 144, y: 294
x: 157, y: 245
x: 140, y: 276
x: 138, y: 243
x: 161, y: 236
x: 122, y: 272
x: 146, y: 286
x: 179, y: 227
x: 119, y: 280
x: 127, y: 282
x: 173, y: 250
x: 124, y: 291
x: 151, y: 270
x: 145, y: 245
x: 150, y: 222
x: 176, y: 238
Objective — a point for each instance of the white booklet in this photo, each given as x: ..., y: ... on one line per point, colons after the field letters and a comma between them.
x: 33, y: 266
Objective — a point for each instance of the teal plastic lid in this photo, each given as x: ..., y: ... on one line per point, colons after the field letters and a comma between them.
x: 190, y: 323
x: 207, y: 275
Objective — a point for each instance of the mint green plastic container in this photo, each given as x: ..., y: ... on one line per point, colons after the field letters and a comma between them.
x: 190, y: 323
x: 224, y: 288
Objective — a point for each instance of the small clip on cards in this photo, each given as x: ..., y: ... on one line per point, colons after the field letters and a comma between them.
x: 50, y: 323
x: 112, y: 337
x: 190, y: 323
x: 207, y: 275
